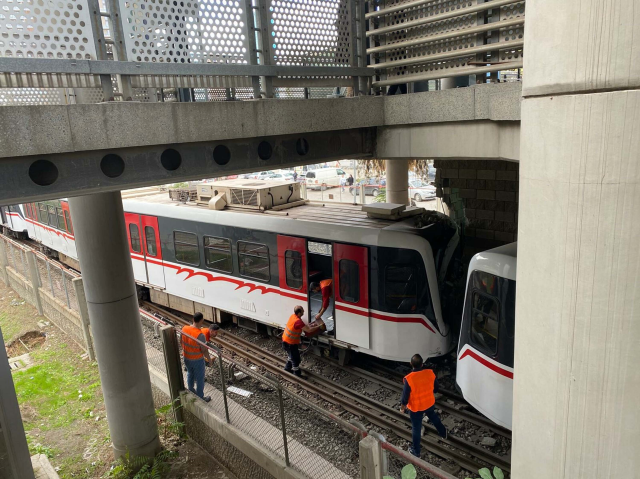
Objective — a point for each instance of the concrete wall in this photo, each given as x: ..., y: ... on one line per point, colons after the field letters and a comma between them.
x: 482, y: 195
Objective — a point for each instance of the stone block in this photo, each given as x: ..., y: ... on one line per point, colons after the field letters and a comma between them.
x: 496, y: 165
x: 475, y: 204
x: 484, y: 215
x: 507, y: 175
x: 467, y: 193
x: 477, y: 184
x: 498, y: 185
x: 450, y: 173
x: 480, y: 224
x: 470, y: 212
x: 504, y: 236
x: 457, y: 183
x: 486, y: 195
x: 511, y: 186
x: 486, y: 175
x: 484, y: 234
x: 511, y: 206
x: 467, y: 173
x: 506, y: 195
x: 513, y: 166
x: 494, y: 205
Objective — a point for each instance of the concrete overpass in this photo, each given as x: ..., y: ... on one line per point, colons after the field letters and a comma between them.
x: 57, y: 151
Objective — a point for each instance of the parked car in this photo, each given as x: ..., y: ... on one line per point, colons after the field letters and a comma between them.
x: 372, y: 186
x: 420, y: 190
x: 281, y: 177
x: 263, y: 175
x: 324, y: 178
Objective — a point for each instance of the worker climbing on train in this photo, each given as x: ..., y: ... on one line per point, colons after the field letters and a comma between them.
x: 418, y: 397
x: 326, y: 287
x: 292, y: 337
x: 195, y: 355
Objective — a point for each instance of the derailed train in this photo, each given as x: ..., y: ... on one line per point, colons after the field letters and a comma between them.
x: 389, y: 278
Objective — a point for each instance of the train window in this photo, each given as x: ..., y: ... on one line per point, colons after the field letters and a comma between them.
x: 349, y: 281
x: 217, y: 254
x: 293, y: 267
x: 61, y: 225
x: 254, y: 260
x: 484, y: 322
x: 53, y: 217
x: 44, y: 216
x: 67, y: 216
x: 401, y: 288
x: 186, y: 246
x: 150, y: 237
x: 485, y: 282
x: 134, y: 233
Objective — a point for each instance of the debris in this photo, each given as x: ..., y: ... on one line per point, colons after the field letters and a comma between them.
x: 239, y: 375
x: 241, y: 392
x: 15, y: 302
x: 488, y: 441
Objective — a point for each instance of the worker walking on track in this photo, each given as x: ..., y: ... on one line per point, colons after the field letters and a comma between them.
x: 210, y: 332
x: 326, y: 287
x: 418, y: 396
x: 195, y: 355
x: 292, y: 337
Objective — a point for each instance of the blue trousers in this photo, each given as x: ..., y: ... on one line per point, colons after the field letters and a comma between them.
x: 195, y: 372
x: 416, y: 426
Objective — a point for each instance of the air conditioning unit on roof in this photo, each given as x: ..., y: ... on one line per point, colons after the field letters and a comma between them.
x: 252, y: 194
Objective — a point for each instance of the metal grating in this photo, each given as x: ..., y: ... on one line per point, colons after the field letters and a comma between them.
x: 220, y: 94
x: 32, y: 96
x: 205, y: 31
x: 46, y: 29
x: 244, y: 197
x: 312, y: 33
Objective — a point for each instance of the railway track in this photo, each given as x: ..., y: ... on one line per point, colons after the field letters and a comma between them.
x: 458, y: 450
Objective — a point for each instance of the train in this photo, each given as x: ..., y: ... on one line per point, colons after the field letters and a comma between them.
x: 255, y: 264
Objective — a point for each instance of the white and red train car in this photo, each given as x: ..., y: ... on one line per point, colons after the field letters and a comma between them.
x: 387, y: 274
x: 484, y: 371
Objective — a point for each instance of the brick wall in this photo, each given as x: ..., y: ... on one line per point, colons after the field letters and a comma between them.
x: 481, y: 195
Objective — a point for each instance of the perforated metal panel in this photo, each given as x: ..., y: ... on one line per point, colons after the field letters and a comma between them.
x: 32, y: 96
x: 313, y: 33
x: 46, y: 29
x: 204, y: 31
x: 220, y: 94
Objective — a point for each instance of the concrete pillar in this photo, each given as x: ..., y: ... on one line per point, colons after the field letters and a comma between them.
x: 398, y: 181
x: 98, y: 221
x: 370, y: 458
x: 577, y: 380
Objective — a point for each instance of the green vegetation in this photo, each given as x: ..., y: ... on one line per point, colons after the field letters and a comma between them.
x: 408, y: 472
x: 486, y: 473
x: 125, y: 468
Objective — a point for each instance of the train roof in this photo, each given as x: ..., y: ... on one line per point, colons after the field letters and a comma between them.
x: 501, y: 261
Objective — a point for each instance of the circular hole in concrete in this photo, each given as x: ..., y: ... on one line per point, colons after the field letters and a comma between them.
x: 221, y: 155
x: 265, y: 150
x: 112, y: 165
x: 43, y: 172
x: 302, y: 146
x: 171, y: 159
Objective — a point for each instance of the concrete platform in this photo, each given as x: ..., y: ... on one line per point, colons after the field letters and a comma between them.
x: 42, y: 468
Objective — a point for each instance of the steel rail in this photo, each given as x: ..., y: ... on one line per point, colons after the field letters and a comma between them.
x: 394, y: 414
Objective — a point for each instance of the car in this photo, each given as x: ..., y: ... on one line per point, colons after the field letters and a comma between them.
x: 281, y: 177
x: 372, y: 186
x: 324, y: 178
x: 263, y: 175
x: 420, y: 190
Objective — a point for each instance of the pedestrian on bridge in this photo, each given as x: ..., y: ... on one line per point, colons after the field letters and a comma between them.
x: 292, y: 337
x: 418, y: 397
x: 195, y: 355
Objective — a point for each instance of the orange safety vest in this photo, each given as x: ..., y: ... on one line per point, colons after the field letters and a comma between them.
x: 190, y: 347
x: 207, y: 334
x: 292, y: 334
x: 421, y: 383
x: 325, y: 282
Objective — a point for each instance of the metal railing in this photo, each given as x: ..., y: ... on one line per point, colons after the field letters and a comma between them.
x: 423, y: 40
x: 134, y: 50
x: 262, y: 408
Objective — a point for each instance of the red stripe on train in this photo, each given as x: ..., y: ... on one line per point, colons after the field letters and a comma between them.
x: 48, y: 228
x: 384, y: 317
x: 489, y: 364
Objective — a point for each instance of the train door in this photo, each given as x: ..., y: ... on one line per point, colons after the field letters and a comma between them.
x: 152, y: 250
x: 351, y: 278
x: 292, y: 266
x: 134, y: 235
x: 320, y: 268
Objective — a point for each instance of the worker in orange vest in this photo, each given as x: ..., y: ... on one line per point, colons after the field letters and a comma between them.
x: 418, y: 397
x: 210, y: 332
x: 292, y: 337
x: 195, y: 355
x: 326, y: 287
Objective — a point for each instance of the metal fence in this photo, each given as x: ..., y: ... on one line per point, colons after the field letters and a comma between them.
x: 262, y: 408
x: 57, y: 281
x: 396, y: 460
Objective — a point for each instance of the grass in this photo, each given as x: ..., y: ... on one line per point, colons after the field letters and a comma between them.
x: 60, y: 397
